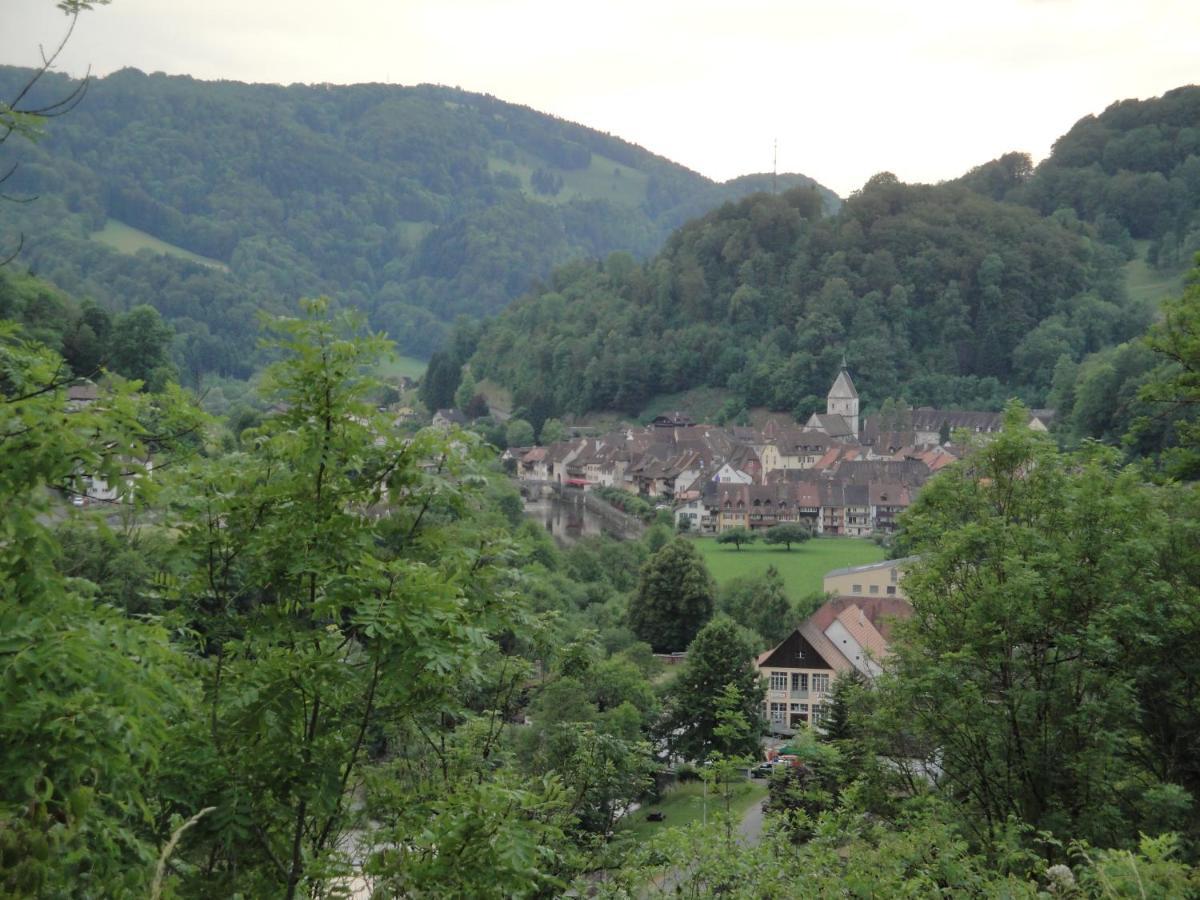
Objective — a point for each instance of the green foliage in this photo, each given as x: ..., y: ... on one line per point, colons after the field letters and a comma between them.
x: 787, y: 534
x: 937, y: 293
x: 674, y: 598
x: 413, y: 204
x: 87, y: 697
x: 737, y: 537
x: 552, y: 432
x: 718, y: 681
x: 1176, y: 338
x: 518, y: 433
x: 1136, y: 166
x: 1037, y: 618
x: 318, y: 627
x: 760, y: 604
x: 139, y: 346
x: 626, y: 502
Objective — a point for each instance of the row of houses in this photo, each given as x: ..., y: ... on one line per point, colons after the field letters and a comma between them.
x: 829, y: 473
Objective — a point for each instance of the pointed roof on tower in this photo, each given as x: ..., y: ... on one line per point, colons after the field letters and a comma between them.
x: 843, y: 387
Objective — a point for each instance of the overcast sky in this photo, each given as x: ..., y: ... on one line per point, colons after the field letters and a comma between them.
x: 924, y: 88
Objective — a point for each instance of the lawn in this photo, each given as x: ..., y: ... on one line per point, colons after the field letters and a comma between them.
x: 684, y: 804
x: 398, y: 366
x: 126, y: 239
x: 603, y: 179
x: 802, y: 567
x: 1148, y: 284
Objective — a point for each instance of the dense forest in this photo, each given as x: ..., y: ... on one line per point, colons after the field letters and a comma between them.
x: 414, y: 204
x: 933, y: 293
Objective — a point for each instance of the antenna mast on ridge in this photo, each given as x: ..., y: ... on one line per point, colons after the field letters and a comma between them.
x: 775, y: 166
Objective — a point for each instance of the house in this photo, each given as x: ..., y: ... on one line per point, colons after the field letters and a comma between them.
x: 695, y: 514
x: 81, y: 395
x: 672, y: 420
x: 531, y: 466
x: 887, y: 501
x: 727, y: 474
x: 448, y: 418
x: 844, y: 635
x: 799, y: 673
x: 882, y: 579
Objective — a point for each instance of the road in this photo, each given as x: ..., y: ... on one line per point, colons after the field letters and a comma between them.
x: 752, y: 825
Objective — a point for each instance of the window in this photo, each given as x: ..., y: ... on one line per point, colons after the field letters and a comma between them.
x: 891, y: 589
x: 874, y: 589
x: 818, y: 714
x: 779, y: 681
x: 856, y: 588
x: 799, y: 707
x: 895, y: 575
x: 778, y: 712
x: 799, y: 681
x: 820, y: 684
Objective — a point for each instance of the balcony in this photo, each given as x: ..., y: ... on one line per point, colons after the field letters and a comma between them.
x: 799, y: 695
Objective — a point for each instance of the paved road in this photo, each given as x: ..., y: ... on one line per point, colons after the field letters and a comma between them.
x: 752, y: 824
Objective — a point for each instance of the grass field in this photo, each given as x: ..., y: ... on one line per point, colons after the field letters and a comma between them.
x: 802, y: 568
x: 684, y: 804
x: 126, y: 239
x: 702, y: 404
x: 399, y: 366
x: 1148, y: 284
x: 603, y: 179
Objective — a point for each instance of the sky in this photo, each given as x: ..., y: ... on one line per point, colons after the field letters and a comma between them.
x: 925, y: 89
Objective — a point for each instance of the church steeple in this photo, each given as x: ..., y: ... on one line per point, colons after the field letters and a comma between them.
x: 843, y: 398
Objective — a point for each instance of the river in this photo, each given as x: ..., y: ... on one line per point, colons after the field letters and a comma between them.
x: 570, y: 518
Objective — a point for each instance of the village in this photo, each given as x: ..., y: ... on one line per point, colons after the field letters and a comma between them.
x: 839, y: 474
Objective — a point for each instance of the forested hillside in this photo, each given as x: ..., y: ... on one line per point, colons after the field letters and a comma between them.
x: 1134, y: 169
x: 933, y: 293
x: 415, y: 204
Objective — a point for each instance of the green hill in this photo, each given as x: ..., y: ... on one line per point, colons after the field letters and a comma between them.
x: 416, y: 204
x: 933, y: 293
x: 1133, y: 171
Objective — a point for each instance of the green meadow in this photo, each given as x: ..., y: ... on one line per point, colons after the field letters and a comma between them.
x: 127, y: 239
x: 802, y: 567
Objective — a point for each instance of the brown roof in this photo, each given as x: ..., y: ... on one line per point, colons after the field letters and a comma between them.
x: 85, y: 391
x: 856, y: 622
x: 880, y: 611
x: 888, y: 494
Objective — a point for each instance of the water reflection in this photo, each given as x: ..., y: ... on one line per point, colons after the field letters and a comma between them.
x: 568, y: 520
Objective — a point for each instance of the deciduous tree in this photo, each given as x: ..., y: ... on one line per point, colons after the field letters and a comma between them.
x: 737, y: 537
x: 719, y: 681
x: 674, y: 598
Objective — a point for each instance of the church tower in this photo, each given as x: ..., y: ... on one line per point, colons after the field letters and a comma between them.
x: 843, y: 399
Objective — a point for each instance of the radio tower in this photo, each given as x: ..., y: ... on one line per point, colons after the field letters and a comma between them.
x: 774, y: 166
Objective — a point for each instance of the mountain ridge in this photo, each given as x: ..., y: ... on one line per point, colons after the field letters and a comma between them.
x: 416, y: 204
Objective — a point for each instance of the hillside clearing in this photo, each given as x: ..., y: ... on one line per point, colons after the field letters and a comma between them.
x: 127, y: 239
x: 401, y: 367
x: 1147, y: 284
